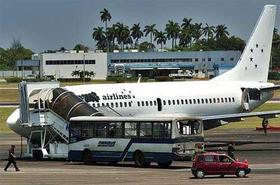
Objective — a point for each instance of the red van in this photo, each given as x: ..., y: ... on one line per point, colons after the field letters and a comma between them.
x: 218, y: 164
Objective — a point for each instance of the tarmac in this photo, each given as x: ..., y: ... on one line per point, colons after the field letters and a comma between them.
x: 263, y: 156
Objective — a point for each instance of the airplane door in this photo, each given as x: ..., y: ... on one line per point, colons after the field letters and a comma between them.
x: 159, y: 104
x: 245, y: 100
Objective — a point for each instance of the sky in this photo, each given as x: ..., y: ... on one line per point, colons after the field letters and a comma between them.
x: 51, y: 24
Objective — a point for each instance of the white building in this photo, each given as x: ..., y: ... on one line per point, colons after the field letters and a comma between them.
x: 61, y: 65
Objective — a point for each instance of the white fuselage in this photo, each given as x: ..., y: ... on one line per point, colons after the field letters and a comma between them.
x: 177, y: 99
x: 196, y: 98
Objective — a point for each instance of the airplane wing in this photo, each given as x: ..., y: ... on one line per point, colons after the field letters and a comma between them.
x: 275, y: 87
x: 215, y: 121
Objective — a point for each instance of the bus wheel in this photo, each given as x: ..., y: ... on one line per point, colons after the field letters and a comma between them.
x: 164, y: 164
x: 87, y: 157
x: 139, y: 160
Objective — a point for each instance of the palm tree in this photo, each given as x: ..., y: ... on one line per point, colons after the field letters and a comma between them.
x: 122, y: 34
x: 197, y: 31
x: 185, y: 37
x: 172, y: 29
x: 105, y: 17
x: 99, y: 36
x: 160, y: 38
x: 150, y: 29
x: 221, y: 31
x: 186, y: 23
x: 208, y: 31
x: 111, y: 35
x: 136, y: 33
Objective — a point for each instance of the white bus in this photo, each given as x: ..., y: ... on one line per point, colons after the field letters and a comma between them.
x: 142, y: 140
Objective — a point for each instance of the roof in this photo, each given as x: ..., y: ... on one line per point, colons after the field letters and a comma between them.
x: 121, y: 118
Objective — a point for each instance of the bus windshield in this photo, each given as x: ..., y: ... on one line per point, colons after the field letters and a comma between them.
x: 189, y: 127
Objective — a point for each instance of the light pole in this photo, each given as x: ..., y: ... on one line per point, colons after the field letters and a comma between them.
x: 84, y: 80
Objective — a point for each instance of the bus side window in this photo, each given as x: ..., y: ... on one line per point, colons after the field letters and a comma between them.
x: 115, y: 130
x: 158, y: 130
x: 100, y: 129
x: 130, y: 129
x: 145, y: 129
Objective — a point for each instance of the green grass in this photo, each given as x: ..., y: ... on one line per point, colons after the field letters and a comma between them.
x: 252, y: 123
x: 9, y: 95
x: 4, y: 114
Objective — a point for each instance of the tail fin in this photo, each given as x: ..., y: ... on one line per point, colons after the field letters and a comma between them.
x: 253, y: 64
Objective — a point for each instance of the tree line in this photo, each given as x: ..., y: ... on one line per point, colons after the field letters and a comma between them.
x: 187, y: 35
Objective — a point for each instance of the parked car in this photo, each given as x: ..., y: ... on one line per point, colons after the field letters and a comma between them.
x: 218, y: 164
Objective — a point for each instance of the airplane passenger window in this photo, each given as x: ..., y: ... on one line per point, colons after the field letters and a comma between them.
x: 218, y: 100
x: 222, y: 100
x: 194, y: 101
x: 151, y: 103
x: 182, y: 101
x: 147, y: 103
x: 116, y: 104
x: 178, y: 102
x: 206, y: 100
x: 155, y: 103
x: 121, y: 104
x: 169, y: 102
x: 173, y: 101
x: 198, y: 101
x: 210, y: 100
x: 103, y: 104
x: 214, y: 100
x: 164, y: 102
x: 202, y: 101
x: 190, y: 101
x: 233, y: 100
x: 142, y: 102
x: 186, y: 101
x: 225, y: 100
x: 125, y: 104
x: 229, y: 100
x: 112, y: 105
x: 107, y: 104
x: 98, y: 105
x: 138, y: 103
x: 129, y: 104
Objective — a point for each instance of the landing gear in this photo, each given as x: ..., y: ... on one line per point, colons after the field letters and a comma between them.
x: 264, y: 125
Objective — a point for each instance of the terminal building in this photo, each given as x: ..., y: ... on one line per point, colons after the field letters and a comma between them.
x: 201, y: 64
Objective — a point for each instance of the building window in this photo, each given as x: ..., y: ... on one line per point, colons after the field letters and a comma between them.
x: 196, y: 59
x: 231, y: 59
x: 209, y: 59
x: 222, y: 59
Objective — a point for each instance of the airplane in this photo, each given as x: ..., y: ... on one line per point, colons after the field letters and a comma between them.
x: 226, y: 98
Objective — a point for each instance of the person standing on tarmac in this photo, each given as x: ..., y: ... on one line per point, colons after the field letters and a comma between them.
x: 230, y: 151
x: 11, y: 159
